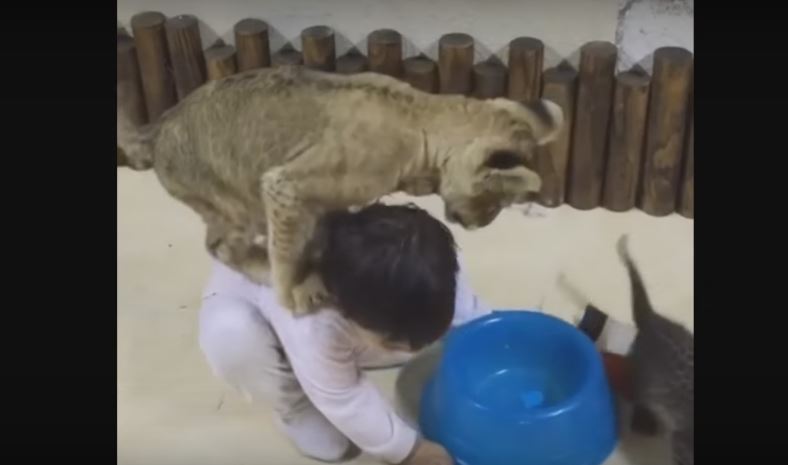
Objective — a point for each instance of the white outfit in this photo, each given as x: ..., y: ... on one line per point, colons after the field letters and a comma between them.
x: 308, y: 367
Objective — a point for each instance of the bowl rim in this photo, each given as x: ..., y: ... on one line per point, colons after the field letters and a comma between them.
x: 586, y: 346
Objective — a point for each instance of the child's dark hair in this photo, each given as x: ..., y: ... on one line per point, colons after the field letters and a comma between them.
x: 390, y: 269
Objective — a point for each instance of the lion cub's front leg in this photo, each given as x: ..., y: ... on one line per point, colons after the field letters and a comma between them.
x: 290, y: 227
x: 310, y: 294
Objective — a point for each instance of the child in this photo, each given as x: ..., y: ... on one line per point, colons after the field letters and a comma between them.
x: 393, y: 274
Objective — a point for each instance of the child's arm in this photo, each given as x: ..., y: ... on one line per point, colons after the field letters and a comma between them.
x: 323, y: 357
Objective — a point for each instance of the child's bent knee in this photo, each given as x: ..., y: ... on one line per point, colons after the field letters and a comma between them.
x: 232, y: 334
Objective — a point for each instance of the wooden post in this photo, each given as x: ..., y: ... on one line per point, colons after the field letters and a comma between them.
x: 317, y: 43
x: 455, y: 63
x: 627, y: 136
x: 154, y: 61
x: 667, y: 123
x: 351, y: 63
x: 220, y: 62
x: 384, y: 48
x: 421, y: 73
x: 592, y: 114
x: 526, y: 57
x: 489, y: 79
x: 287, y: 56
x: 129, y: 74
x: 686, y: 207
x: 552, y: 160
x: 185, y: 45
x: 251, y: 40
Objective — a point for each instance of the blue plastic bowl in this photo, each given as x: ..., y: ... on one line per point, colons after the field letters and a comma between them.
x: 520, y: 388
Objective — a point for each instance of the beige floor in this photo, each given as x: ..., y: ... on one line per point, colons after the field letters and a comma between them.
x: 171, y: 411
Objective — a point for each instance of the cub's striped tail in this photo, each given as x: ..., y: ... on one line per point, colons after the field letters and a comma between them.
x: 642, y: 310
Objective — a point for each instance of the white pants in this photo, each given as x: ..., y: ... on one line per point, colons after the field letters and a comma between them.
x: 243, y: 350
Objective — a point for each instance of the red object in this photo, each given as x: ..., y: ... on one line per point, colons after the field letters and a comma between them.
x: 617, y: 374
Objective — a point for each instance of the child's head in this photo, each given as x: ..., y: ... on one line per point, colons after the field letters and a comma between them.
x: 392, y: 271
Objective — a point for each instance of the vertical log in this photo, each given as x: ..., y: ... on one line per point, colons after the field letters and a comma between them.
x: 317, y: 44
x: 352, y: 62
x: 287, y: 56
x: 220, y: 62
x: 667, y: 123
x: 686, y: 207
x: 455, y: 63
x: 489, y: 79
x: 552, y: 160
x: 251, y: 41
x: 590, y: 132
x: 421, y: 73
x: 627, y: 136
x: 384, y: 48
x: 129, y: 74
x: 154, y: 62
x: 186, y: 54
x: 526, y: 58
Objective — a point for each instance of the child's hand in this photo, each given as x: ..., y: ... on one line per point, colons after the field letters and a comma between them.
x: 428, y: 453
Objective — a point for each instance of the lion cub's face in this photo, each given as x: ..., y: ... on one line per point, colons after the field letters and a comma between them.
x: 497, y: 169
x: 474, y: 196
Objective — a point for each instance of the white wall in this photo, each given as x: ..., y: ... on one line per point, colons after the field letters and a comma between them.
x: 563, y: 25
x: 645, y: 25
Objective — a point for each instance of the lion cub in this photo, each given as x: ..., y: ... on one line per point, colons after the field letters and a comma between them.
x: 262, y: 154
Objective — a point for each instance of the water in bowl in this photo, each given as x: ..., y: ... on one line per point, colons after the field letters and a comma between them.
x: 518, y: 389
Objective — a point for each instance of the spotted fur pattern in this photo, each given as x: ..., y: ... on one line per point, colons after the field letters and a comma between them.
x: 262, y: 154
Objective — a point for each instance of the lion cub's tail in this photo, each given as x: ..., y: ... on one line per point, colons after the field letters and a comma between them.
x: 134, y: 144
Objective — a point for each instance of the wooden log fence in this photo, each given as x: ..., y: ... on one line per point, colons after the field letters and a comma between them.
x: 221, y: 61
x: 552, y: 160
x: 352, y: 62
x: 489, y: 79
x: 455, y: 63
x: 317, y: 48
x: 186, y: 53
x: 384, y: 48
x: 526, y: 55
x: 154, y: 62
x: 251, y: 40
x: 667, y: 123
x: 590, y: 131
x: 627, y: 141
x: 625, y: 147
x: 421, y: 73
x: 129, y: 73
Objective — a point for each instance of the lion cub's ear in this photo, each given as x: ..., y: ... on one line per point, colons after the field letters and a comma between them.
x: 508, y: 174
x: 550, y: 117
x: 544, y: 118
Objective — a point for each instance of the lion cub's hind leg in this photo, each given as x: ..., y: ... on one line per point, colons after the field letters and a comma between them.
x: 241, y: 250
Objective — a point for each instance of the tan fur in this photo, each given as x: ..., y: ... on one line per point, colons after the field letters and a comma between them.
x: 264, y: 153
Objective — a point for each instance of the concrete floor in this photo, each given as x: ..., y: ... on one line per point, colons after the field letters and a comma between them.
x: 171, y: 411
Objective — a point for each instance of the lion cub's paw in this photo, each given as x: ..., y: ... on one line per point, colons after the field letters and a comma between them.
x: 284, y: 294
x: 309, y: 295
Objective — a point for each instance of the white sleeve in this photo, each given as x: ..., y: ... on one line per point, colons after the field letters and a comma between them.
x: 468, y: 305
x: 323, y: 359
